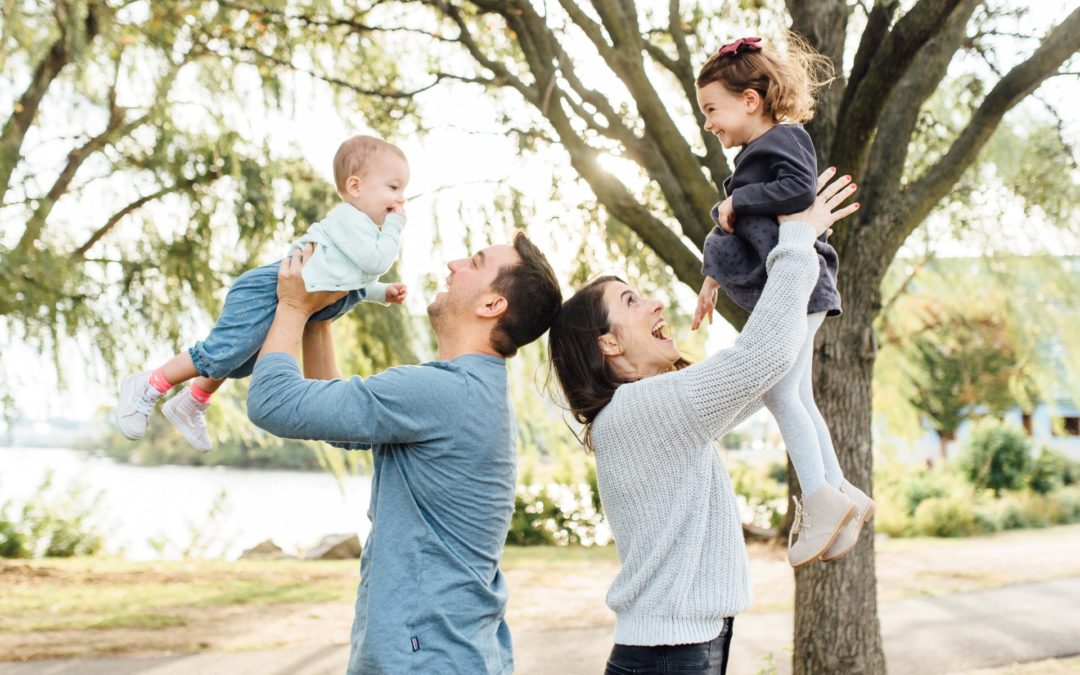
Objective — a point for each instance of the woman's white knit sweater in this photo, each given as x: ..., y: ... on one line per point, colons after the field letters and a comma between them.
x: 665, y: 490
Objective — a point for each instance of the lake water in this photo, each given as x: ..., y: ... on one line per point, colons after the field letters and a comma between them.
x: 176, y: 504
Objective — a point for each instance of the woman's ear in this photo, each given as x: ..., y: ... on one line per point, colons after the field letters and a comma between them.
x: 609, y: 346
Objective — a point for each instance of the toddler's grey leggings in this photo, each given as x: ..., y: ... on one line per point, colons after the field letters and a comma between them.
x: 805, y: 433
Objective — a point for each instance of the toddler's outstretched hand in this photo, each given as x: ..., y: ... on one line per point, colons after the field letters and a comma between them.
x: 396, y: 292
x: 706, y: 302
x: 725, y: 216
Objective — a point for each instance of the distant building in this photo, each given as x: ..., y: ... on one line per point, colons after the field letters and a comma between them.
x: 1055, y: 426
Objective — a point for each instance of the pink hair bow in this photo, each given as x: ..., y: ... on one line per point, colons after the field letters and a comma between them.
x: 746, y: 44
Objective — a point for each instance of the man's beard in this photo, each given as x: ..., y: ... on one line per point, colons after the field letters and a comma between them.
x: 447, y: 309
x: 436, y: 312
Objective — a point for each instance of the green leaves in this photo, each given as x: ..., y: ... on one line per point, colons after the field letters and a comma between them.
x: 188, y: 191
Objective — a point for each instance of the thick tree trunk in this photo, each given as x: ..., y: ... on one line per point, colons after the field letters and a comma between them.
x: 836, y: 620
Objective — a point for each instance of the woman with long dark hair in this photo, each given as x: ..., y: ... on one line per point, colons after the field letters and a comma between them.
x: 650, y: 418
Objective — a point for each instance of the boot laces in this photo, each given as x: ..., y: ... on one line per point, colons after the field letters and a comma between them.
x: 801, y: 520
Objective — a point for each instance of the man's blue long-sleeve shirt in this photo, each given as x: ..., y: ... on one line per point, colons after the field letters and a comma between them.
x: 432, y: 597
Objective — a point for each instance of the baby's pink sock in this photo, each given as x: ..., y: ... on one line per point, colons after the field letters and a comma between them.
x: 158, y: 381
x: 200, y: 395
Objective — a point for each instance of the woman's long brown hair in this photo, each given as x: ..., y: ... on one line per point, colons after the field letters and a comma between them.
x: 588, y: 382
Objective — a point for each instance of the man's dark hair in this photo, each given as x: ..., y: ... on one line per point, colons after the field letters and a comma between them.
x: 532, y: 297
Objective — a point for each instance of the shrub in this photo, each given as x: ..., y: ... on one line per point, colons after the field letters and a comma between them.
x: 956, y: 509
x: 889, y: 517
x: 762, y: 499
x: 925, y: 484
x: 1005, y: 513
x: 998, y: 457
x: 1071, y: 474
x: 51, y: 524
x: 778, y: 472
x: 557, y: 514
x: 1069, y: 500
x: 1051, y: 470
x: 946, y: 517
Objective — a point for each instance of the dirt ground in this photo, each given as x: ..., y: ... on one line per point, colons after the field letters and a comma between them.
x: 551, y: 594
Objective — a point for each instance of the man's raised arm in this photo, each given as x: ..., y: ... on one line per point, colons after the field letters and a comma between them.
x: 399, y: 406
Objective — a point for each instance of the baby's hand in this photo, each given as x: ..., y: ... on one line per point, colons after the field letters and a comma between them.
x: 706, y: 302
x: 395, y: 293
x: 398, y: 209
x: 725, y: 216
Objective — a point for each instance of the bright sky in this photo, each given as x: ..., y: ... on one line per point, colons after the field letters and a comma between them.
x: 455, y: 169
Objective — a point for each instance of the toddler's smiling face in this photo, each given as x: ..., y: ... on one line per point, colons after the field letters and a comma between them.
x: 730, y: 117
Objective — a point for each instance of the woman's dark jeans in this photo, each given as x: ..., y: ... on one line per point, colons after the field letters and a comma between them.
x: 704, y: 657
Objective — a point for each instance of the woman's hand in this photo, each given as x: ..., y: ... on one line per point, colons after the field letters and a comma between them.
x: 825, y: 210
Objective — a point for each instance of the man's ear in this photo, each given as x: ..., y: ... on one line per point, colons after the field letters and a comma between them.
x: 752, y: 100
x: 353, y: 185
x: 609, y: 346
x: 493, y: 307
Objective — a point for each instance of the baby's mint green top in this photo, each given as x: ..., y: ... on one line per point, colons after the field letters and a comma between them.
x: 352, y: 252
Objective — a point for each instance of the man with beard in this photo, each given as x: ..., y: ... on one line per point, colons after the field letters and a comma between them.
x: 431, y: 597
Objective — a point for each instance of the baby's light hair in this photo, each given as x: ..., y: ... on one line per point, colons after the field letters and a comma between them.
x: 786, y: 82
x: 355, y: 155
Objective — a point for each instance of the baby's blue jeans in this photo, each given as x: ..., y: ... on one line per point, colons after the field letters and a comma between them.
x: 233, y: 345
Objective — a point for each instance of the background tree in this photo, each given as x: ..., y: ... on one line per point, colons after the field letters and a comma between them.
x: 960, y: 366
x: 965, y: 335
x: 134, y: 184
x: 627, y: 124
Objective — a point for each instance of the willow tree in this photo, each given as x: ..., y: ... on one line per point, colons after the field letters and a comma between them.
x: 132, y: 183
x: 610, y: 78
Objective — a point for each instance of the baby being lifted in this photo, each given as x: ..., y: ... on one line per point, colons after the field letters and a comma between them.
x: 355, y: 244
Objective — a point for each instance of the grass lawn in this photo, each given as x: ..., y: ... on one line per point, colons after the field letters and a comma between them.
x: 97, y: 593
x: 102, y: 606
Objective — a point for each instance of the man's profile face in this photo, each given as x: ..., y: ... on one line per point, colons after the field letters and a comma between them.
x: 469, y: 280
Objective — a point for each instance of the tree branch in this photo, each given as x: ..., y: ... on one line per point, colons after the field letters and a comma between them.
x: 683, y: 70
x: 877, y: 28
x: 114, y: 128
x: 823, y: 24
x: 57, y: 57
x: 336, y: 81
x: 328, y: 22
x: 859, y: 115
x: 502, y: 74
x: 888, y: 154
x: 678, y: 174
x: 79, y: 254
x: 921, y: 197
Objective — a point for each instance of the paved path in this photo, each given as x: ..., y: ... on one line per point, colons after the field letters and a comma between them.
x: 1014, y: 624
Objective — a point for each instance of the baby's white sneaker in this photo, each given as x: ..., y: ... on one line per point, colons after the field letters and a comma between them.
x: 189, y: 417
x: 137, y: 399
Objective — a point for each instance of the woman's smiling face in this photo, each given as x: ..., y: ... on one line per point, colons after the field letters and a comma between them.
x: 638, y: 344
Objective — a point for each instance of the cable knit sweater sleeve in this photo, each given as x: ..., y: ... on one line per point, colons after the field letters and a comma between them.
x: 724, y: 385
